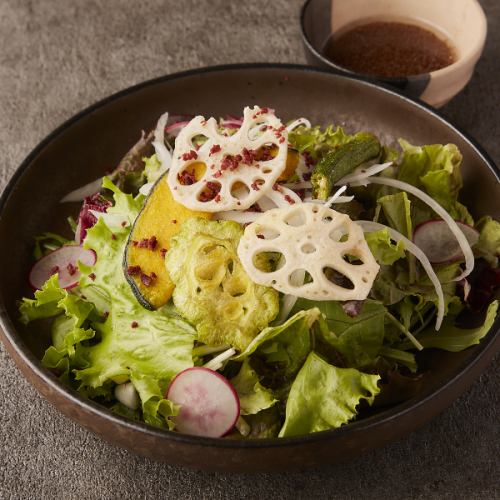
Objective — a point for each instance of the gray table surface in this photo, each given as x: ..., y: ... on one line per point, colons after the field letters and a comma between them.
x: 57, y: 57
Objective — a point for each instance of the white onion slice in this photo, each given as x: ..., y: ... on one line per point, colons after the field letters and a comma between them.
x: 457, y: 232
x: 238, y: 216
x: 162, y: 152
x: 369, y: 226
x: 82, y: 192
x: 145, y: 189
x: 362, y: 173
x: 335, y: 196
x: 279, y: 196
x: 339, y: 199
x: 298, y: 123
x: 218, y: 362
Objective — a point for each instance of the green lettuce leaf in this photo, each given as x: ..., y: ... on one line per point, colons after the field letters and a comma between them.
x: 435, y: 169
x: 287, y: 344
x: 383, y: 249
x: 357, y: 338
x: 254, y: 397
x: 488, y: 245
x: 454, y: 339
x: 397, y: 211
x: 153, y: 168
x: 317, y: 141
x: 325, y: 397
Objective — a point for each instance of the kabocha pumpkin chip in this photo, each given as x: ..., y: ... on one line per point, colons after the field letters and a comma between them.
x: 226, y: 182
x: 324, y: 247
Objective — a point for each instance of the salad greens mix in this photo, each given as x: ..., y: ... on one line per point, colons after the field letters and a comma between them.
x: 297, y: 365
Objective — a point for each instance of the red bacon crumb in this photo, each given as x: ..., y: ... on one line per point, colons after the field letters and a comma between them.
x: 71, y: 269
x: 134, y: 270
x: 217, y: 198
x: 210, y: 192
x: 124, y: 223
x: 163, y: 252
x: 255, y: 186
x: 149, y: 243
x: 134, y: 324
x: 92, y: 276
x: 217, y: 174
x: 281, y: 140
x: 174, y: 221
x: 192, y: 155
x: 276, y: 187
x: 186, y: 178
x: 248, y: 156
x: 260, y: 236
x: 147, y: 280
x: 289, y: 199
x: 113, y: 236
x: 214, y: 149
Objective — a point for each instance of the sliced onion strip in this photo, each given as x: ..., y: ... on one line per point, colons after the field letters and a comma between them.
x: 298, y: 123
x: 362, y: 173
x: 369, y: 226
x: 218, y: 362
x: 457, y: 232
x: 82, y: 192
x: 161, y: 150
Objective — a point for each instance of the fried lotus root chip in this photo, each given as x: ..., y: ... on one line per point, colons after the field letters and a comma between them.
x: 324, y: 255
x: 213, y: 292
x: 228, y: 172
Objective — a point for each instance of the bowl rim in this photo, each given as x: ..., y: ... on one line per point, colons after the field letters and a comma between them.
x: 26, y: 356
x: 471, y: 58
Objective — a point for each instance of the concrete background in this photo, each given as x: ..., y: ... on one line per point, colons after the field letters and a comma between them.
x: 57, y: 57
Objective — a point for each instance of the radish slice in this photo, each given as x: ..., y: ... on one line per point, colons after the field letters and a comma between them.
x: 437, y: 241
x: 459, y: 235
x: 175, y: 128
x: 62, y: 261
x: 209, y: 404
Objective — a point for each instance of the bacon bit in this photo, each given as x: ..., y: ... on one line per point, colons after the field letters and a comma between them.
x: 264, y: 154
x: 289, y: 199
x: 248, y: 156
x: 276, y: 187
x: 301, y: 193
x: 174, y: 221
x: 230, y: 162
x: 134, y: 324
x: 153, y: 275
x: 71, y: 269
x: 263, y: 128
x: 186, y: 178
x: 210, y: 192
x: 134, y: 270
x: 113, y: 236
x: 255, y: 186
x: 163, y: 252
x: 124, y: 223
x: 255, y: 208
x: 54, y: 270
x: 192, y: 155
x: 217, y: 174
x: 217, y: 198
x: 261, y: 236
x: 281, y: 140
x: 147, y: 280
x: 92, y: 276
x: 214, y: 149
x: 149, y: 243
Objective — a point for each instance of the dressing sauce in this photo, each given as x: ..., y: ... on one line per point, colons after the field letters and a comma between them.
x: 389, y: 49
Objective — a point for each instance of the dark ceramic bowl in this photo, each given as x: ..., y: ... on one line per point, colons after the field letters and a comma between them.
x: 93, y: 141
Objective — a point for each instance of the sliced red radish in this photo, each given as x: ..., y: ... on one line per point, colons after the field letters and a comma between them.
x: 64, y: 262
x: 175, y: 128
x: 209, y: 404
x: 436, y: 240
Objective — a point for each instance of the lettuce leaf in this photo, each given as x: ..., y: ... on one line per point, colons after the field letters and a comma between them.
x: 488, y: 245
x: 357, y: 338
x: 317, y: 141
x: 153, y: 168
x: 435, y: 169
x: 287, y: 344
x: 254, y: 397
x: 325, y: 397
x: 454, y: 339
x: 383, y: 249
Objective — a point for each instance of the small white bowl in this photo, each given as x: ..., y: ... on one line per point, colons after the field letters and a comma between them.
x: 460, y: 22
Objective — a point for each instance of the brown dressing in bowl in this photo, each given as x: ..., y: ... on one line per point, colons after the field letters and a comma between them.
x: 389, y: 49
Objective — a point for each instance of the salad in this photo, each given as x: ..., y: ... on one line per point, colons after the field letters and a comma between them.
x: 249, y: 278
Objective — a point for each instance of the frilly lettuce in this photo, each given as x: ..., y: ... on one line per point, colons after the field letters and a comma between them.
x: 153, y: 168
x: 488, y: 245
x: 325, y: 397
x: 212, y: 290
x: 286, y: 345
x: 254, y: 397
x: 383, y: 249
